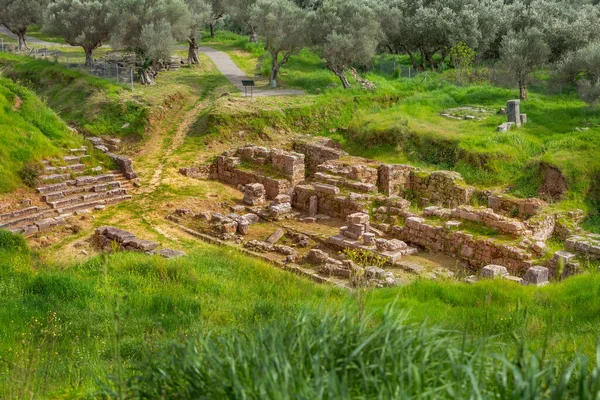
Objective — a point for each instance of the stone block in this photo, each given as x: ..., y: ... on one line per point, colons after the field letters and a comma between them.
x: 317, y: 256
x: 328, y: 190
x: 357, y: 218
x: 313, y: 205
x: 282, y: 198
x: 243, y: 227
x: 275, y: 236
x: 493, y: 271
x: 169, y: 253
x: 513, y: 109
x: 536, y: 275
x: 369, y: 239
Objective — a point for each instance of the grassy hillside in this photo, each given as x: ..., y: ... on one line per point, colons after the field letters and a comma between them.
x: 30, y: 132
x: 64, y: 326
x: 93, y: 104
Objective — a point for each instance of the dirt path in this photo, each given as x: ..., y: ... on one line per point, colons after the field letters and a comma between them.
x: 235, y: 75
x: 31, y: 40
x: 178, y: 139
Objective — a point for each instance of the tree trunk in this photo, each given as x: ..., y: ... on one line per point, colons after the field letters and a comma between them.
x: 274, y: 73
x: 89, y: 56
x: 412, y: 58
x: 212, y: 30
x: 343, y: 78
x: 193, y: 58
x: 422, y: 66
x: 22, y: 40
x: 253, y: 35
x: 523, y: 89
x: 147, y: 76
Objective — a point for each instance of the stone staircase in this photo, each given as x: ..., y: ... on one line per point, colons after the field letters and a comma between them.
x: 68, y: 190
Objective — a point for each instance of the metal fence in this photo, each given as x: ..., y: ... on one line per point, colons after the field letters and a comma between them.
x: 102, y: 68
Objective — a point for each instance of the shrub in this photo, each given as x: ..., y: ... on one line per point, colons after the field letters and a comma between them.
x: 30, y: 173
x: 13, y: 242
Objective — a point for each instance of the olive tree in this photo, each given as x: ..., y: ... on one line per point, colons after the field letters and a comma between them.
x: 200, y: 15
x: 151, y: 29
x: 18, y: 15
x: 218, y: 8
x: 81, y: 23
x: 522, y: 53
x: 240, y: 11
x: 582, y: 67
x: 282, y: 27
x: 345, y: 32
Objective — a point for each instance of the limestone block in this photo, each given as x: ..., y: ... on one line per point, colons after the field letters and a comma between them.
x: 493, y: 271
x: 357, y: 218
x: 317, y: 256
x: 328, y: 190
x: 275, y: 236
x: 536, y: 275
x: 513, y: 108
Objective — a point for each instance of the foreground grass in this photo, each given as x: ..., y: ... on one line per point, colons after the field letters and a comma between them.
x: 63, y: 326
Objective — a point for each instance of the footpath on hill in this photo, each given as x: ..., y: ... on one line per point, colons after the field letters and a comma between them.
x: 235, y: 75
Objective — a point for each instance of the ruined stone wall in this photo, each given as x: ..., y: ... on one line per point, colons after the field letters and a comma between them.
x: 512, y: 207
x: 444, y: 188
x: 228, y: 173
x: 317, y: 151
x: 476, y: 252
x: 394, y: 179
x: 289, y: 164
x: 327, y: 200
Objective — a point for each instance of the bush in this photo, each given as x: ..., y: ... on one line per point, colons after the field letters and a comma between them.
x: 30, y: 173
x: 13, y: 242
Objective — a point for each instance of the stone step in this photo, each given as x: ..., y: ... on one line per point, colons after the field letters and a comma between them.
x: 64, y: 169
x: 92, y: 204
x: 336, y: 180
x: 69, y: 191
x: 87, y: 196
x: 28, y: 219
x: 75, y: 159
x: 19, y: 213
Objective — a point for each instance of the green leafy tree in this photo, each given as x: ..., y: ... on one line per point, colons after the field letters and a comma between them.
x: 345, y: 32
x: 150, y: 28
x: 240, y: 11
x: 18, y: 15
x: 463, y: 58
x: 282, y: 27
x: 81, y: 23
x: 522, y: 53
x: 582, y: 67
x: 200, y: 15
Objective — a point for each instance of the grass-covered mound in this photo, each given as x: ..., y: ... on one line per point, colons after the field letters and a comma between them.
x: 30, y: 132
x: 95, y: 105
x: 64, y: 327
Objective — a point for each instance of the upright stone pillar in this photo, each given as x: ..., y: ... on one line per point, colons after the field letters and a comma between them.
x: 513, y: 109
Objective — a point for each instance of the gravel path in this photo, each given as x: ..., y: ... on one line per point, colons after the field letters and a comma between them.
x: 235, y: 75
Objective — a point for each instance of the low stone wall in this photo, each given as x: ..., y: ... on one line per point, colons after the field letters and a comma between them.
x: 327, y: 200
x: 394, y: 179
x: 444, y: 188
x: 512, y: 207
x: 588, y: 245
x: 288, y: 164
x: 476, y: 252
x: 228, y: 173
x: 317, y: 150
x: 108, y: 236
x: 207, y: 171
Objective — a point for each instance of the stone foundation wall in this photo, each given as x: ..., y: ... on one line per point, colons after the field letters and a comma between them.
x: 289, y: 164
x: 522, y: 208
x: 394, y: 179
x: 476, y: 252
x: 444, y: 188
x: 208, y: 171
x: 317, y: 150
x: 228, y: 173
x: 329, y: 202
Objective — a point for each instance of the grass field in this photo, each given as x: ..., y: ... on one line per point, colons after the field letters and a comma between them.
x: 64, y: 326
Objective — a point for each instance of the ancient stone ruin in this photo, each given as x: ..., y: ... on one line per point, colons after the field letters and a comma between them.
x: 71, y: 188
x: 515, y: 118
x: 109, y: 238
x: 321, y: 212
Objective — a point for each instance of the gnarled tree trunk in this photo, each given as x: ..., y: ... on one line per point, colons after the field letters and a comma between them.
x: 22, y: 40
x: 193, y: 51
x: 212, y: 30
x: 147, y: 76
x: 253, y: 35
x: 523, y: 89
x: 341, y: 74
x: 89, y: 56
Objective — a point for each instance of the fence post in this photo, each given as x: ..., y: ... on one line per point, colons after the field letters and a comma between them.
x: 117, y: 73
x: 131, y: 76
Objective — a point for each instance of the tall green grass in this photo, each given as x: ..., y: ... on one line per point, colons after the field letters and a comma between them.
x: 344, y: 357
x: 30, y: 132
